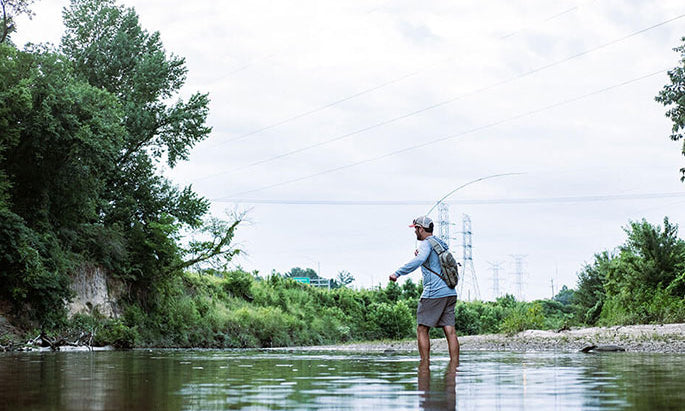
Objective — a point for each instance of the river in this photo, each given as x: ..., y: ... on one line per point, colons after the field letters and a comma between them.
x: 281, y: 379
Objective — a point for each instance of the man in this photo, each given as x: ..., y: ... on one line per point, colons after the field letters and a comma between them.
x: 436, y: 306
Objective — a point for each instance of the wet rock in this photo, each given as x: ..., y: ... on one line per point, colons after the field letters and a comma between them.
x: 602, y: 348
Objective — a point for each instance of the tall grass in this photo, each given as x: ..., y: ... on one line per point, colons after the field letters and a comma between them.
x: 240, y: 310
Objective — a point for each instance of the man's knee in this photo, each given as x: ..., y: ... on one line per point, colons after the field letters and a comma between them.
x: 422, y: 330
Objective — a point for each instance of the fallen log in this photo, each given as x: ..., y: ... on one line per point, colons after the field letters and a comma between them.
x: 83, y: 340
x: 602, y: 348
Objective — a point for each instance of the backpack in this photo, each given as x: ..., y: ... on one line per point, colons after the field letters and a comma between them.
x: 449, y: 266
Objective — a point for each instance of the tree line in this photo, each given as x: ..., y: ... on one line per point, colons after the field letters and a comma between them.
x: 85, y: 128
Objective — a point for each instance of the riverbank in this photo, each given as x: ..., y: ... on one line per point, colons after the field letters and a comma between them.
x: 662, y: 338
x: 666, y: 338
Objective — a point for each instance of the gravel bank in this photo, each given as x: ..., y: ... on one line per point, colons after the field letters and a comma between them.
x: 666, y: 338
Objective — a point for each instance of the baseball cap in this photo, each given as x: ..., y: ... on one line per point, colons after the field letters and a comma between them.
x: 422, y: 221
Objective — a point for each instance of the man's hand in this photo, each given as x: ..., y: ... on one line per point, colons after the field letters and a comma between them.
x: 393, y: 277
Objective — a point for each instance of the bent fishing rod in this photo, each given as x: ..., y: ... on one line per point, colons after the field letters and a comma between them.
x: 468, y: 184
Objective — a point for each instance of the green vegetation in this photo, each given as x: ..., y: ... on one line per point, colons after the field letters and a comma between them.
x: 85, y: 128
x: 643, y: 281
x: 672, y: 96
x: 236, y: 309
x: 640, y: 282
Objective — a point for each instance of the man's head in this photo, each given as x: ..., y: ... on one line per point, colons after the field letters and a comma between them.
x: 423, y: 227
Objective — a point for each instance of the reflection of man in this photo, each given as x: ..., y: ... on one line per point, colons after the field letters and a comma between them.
x: 436, y: 306
x: 436, y: 400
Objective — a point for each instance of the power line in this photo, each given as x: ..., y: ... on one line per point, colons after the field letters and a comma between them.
x: 468, y: 184
x: 364, y: 91
x: 280, y: 51
x: 445, y: 138
x: 434, y: 106
x: 495, y: 201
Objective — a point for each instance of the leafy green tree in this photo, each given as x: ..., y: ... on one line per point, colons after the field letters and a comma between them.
x: 109, y: 50
x: 11, y: 9
x: 301, y: 272
x: 214, y: 250
x: 83, y: 133
x: 673, y: 97
x: 60, y: 148
x: 653, y: 256
x: 590, y: 293
x: 59, y: 138
x: 344, y: 278
x: 409, y: 290
x: 642, y: 282
x: 564, y: 296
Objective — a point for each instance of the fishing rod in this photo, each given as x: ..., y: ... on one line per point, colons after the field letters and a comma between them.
x: 468, y: 184
x: 464, y: 185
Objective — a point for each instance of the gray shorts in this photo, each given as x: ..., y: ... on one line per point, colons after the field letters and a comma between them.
x: 436, y: 312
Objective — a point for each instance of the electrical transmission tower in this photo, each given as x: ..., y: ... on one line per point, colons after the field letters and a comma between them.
x: 495, y: 268
x: 444, y: 223
x: 468, y: 283
x: 518, y: 275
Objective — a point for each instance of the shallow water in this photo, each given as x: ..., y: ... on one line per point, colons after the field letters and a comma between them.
x: 214, y: 380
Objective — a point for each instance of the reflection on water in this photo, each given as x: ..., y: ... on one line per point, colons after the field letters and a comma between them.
x: 207, y: 380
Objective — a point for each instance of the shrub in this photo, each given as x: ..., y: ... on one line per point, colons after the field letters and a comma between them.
x: 118, y: 334
x: 523, y: 317
x: 391, y: 320
x: 238, y: 284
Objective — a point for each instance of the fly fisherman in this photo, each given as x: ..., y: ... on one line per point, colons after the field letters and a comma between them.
x: 436, y: 306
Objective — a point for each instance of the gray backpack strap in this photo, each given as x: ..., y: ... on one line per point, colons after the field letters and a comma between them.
x: 439, y: 249
x: 436, y: 245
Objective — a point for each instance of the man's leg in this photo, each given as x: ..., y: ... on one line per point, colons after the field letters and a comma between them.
x: 452, y: 343
x: 424, y: 343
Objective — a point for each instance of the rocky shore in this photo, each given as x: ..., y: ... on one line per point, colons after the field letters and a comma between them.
x: 666, y: 338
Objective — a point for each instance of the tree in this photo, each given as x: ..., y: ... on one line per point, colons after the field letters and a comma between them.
x: 215, y: 249
x: 564, y: 296
x: 673, y: 97
x: 297, y: 272
x: 83, y: 131
x: 109, y: 50
x: 590, y: 293
x: 642, y: 281
x: 344, y: 278
x: 59, y: 137
x: 653, y: 256
x: 410, y: 290
x: 11, y: 8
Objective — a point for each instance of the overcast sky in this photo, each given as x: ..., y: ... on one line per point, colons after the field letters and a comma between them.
x: 335, y: 123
